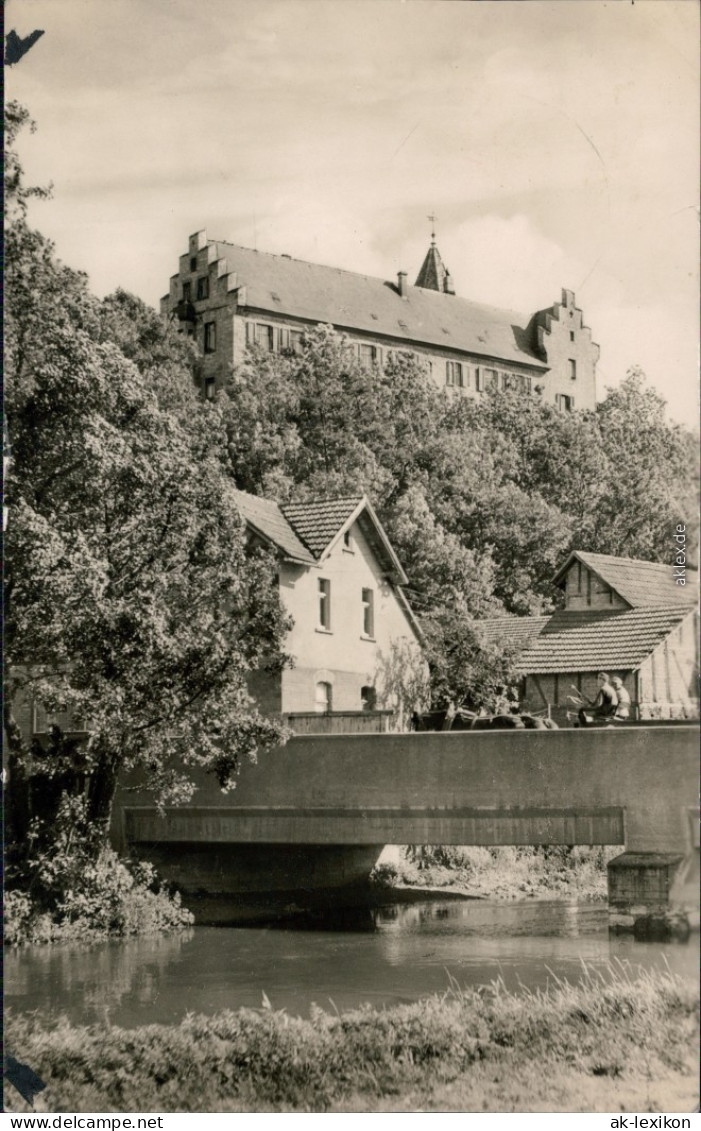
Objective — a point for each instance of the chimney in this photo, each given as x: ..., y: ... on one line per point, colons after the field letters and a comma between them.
x: 401, y: 283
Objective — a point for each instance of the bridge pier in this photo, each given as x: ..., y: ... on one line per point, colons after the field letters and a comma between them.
x: 653, y: 894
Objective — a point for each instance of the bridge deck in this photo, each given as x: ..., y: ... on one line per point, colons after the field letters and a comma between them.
x: 632, y: 787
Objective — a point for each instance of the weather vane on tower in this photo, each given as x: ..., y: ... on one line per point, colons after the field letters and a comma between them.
x: 433, y: 219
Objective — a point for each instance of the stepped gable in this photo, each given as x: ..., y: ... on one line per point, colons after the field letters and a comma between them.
x: 316, y: 524
x: 637, y: 582
x: 600, y: 639
x: 310, y: 292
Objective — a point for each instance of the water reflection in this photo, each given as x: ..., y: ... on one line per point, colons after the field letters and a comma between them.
x: 382, y: 956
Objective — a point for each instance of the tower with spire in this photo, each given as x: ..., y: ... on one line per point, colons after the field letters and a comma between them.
x: 434, y: 275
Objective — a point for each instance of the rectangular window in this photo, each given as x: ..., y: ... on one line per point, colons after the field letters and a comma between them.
x: 571, y: 335
x: 187, y: 292
x: 325, y: 603
x: 368, y: 612
x: 283, y: 339
x: 453, y: 373
x: 490, y: 379
x: 203, y: 287
x: 296, y: 340
x: 572, y: 368
x: 264, y: 336
x: 564, y: 403
x: 210, y: 388
x: 193, y: 262
x: 368, y: 355
x: 479, y: 379
x: 210, y: 337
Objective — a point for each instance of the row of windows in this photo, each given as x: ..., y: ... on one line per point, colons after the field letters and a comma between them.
x: 324, y: 608
x: 461, y: 376
x: 271, y: 337
x: 323, y: 698
x: 457, y: 374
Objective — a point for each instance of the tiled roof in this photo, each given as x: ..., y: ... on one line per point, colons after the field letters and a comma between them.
x: 517, y: 630
x: 599, y: 639
x: 638, y: 583
x: 267, y: 518
x: 317, y: 294
x: 317, y: 523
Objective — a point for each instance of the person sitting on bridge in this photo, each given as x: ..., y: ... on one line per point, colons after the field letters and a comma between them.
x: 623, y: 709
x: 603, y: 707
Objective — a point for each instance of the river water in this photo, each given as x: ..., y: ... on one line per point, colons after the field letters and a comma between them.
x: 384, y: 956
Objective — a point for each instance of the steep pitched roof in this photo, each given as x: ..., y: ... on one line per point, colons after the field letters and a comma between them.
x: 518, y: 630
x: 434, y: 275
x: 599, y: 639
x: 317, y: 523
x: 317, y: 294
x: 638, y: 583
x: 267, y: 519
x: 306, y: 532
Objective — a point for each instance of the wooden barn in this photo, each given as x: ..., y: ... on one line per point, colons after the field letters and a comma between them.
x: 625, y: 617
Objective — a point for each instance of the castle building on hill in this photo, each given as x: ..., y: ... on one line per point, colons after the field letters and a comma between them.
x: 229, y: 297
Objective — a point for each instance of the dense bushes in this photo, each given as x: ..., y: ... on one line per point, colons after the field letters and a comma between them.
x: 67, y: 885
x: 268, y: 1060
x: 506, y: 872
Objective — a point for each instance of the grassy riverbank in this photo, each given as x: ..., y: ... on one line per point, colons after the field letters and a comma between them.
x: 608, y: 1044
x: 500, y: 873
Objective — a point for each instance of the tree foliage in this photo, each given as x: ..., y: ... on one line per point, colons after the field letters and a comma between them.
x: 132, y: 601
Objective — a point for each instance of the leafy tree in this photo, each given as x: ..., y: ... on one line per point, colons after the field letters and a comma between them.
x: 465, y: 671
x: 131, y: 599
x: 653, y: 478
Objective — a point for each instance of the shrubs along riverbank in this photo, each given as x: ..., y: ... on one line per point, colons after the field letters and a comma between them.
x: 498, y: 873
x: 611, y: 1043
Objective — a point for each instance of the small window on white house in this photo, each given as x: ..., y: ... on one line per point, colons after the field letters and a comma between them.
x: 323, y: 697
x: 296, y: 340
x: 324, y: 603
x: 210, y: 337
x: 564, y: 403
x: 572, y: 368
x: 348, y: 541
x: 368, y: 612
x: 283, y: 339
x: 490, y: 379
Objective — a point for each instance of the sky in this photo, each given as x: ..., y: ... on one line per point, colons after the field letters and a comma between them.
x: 556, y: 142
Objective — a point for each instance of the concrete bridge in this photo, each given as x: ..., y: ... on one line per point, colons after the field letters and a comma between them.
x: 316, y: 813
